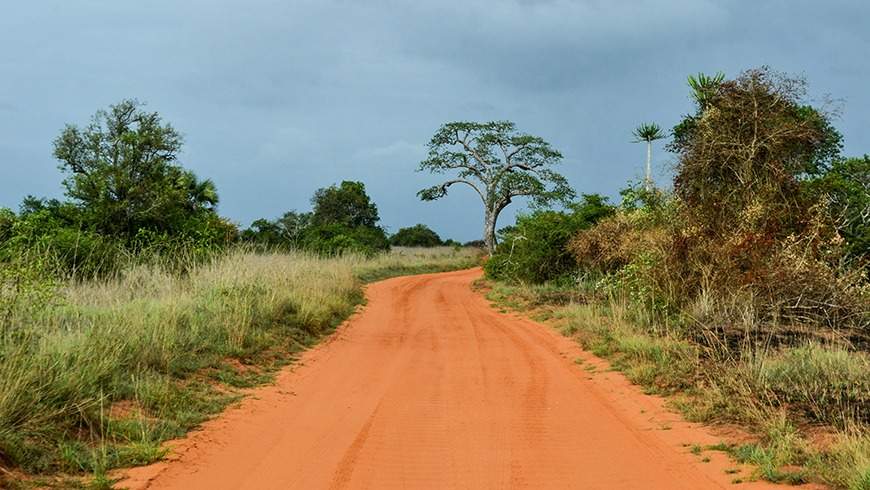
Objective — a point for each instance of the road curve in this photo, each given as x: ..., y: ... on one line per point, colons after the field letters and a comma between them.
x: 429, y: 387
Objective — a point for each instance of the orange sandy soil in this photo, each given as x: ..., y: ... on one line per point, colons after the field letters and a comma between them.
x: 429, y: 387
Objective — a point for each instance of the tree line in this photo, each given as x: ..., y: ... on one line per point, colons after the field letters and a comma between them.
x: 127, y: 195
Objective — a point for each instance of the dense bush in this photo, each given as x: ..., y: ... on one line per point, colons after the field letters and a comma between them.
x: 418, y: 235
x: 335, y: 238
x: 639, y: 225
x: 285, y: 232
x: 846, y: 188
x: 129, y: 201
x: 535, y: 249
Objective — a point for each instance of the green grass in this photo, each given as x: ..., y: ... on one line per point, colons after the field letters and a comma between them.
x: 104, y: 371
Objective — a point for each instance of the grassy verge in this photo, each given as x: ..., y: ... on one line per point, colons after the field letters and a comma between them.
x: 101, y: 373
x: 807, y: 406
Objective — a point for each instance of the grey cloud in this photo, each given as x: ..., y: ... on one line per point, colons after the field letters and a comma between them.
x: 277, y: 98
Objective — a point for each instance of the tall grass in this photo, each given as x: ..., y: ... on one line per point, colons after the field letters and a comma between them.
x: 789, y: 396
x: 102, y: 371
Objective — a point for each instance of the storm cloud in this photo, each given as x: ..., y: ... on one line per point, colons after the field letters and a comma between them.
x: 278, y: 98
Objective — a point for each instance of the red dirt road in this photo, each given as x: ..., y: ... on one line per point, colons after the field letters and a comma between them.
x: 429, y: 387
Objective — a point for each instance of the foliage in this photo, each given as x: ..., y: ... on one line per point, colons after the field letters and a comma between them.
x: 7, y: 221
x: 846, y: 187
x: 535, y: 249
x: 123, y: 171
x: 755, y: 134
x: 346, y: 204
x: 336, y: 238
x: 499, y: 163
x: 704, y: 87
x: 285, y: 232
x: 343, y: 219
x: 648, y: 132
x: 53, y: 230
x: 418, y: 235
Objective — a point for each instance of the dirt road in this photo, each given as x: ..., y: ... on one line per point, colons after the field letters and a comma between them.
x: 429, y: 387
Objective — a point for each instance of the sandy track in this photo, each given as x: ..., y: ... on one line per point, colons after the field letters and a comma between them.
x: 429, y: 387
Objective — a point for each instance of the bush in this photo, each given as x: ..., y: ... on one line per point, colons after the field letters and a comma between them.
x: 535, y: 249
x: 74, y: 251
x: 335, y: 238
x: 418, y: 235
x: 845, y: 188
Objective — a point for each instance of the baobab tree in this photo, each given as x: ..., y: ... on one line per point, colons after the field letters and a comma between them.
x: 648, y: 132
x: 499, y: 163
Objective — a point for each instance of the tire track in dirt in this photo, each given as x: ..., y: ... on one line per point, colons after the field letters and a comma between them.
x: 430, y: 387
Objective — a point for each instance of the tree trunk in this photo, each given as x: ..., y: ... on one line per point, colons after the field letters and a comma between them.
x: 648, y: 182
x: 489, y: 231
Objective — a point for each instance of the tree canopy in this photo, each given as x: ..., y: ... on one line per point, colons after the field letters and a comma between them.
x: 346, y: 204
x: 123, y: 170
x: 418, y: 235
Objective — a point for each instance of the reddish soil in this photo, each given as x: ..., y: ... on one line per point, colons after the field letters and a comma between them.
x: 430, y: 387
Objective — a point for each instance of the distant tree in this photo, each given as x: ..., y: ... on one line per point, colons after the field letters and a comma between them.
x: 498, y: 163
x: 286, y: 231
x: 263, y: 231
x: 648, y: 132
x: 292, y: 226
x: 122, y: 168
x: 346, y: 204
x: 344, y: 218
x: 418, y: 235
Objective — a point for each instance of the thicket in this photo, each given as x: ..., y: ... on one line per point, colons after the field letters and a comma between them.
x: 535, y: 249
x: 765, y: 214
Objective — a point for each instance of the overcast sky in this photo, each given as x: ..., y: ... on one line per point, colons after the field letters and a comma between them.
x: 278, y: 98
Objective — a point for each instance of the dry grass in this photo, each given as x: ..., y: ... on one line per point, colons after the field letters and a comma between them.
x: 785, y: 396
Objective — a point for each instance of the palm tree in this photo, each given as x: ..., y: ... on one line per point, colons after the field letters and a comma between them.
x: 648, y: 132
x: 704, y: 87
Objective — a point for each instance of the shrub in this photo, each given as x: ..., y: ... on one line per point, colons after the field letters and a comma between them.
x: 75, y: 251
x: 846, y: 188
x: 336, y: 238
x: 415, y: 236
x: 535, y: 249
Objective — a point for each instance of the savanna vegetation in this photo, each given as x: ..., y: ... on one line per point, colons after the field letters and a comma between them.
x: 131, y: 311
x: 741, y: 292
